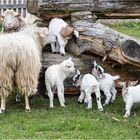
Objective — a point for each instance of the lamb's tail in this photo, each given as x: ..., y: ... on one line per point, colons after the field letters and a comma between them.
x: 116, y: 77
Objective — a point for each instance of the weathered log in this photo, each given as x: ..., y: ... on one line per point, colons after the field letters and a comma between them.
x: 99, y: 39
x: 47, y: 9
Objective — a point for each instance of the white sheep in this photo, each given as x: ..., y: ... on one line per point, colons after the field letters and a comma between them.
x: 130, y: 94
x: 54, y: 77
x: 63, y: 32
x: 88, y: 85
x: 107, y: 83
x: 12, y: 21
x: 20, y: 63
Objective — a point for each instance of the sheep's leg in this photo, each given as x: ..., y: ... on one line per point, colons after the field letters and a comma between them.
x: 81, y: 97
x: 60, y: 89
x: 108, y: 97
x: 27, y: 106
x: 114, y: 92
x: 50, y: 94
x: 53, y: 47
x: 18, y: 97
x: 98, y: 100
x: 3, y: 102
x: 127, y: 109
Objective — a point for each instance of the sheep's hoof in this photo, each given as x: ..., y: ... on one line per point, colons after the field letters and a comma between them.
x: 51, y: 107
x: 63, y: 106
x: 105, y: 104
x: 89, y: 108
x: 27, y: 110
x: 2, y: 111
x: 126, y: 116
x: 79, y: 100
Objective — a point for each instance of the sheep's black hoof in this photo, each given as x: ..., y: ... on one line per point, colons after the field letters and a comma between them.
x: 2, y: 111
x: 27, y: 110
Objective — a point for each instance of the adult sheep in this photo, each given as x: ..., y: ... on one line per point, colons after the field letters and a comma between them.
x: 20, y: 63
x: 12, y: 21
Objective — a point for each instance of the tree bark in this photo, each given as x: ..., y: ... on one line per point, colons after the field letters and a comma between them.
x: 48, y: 9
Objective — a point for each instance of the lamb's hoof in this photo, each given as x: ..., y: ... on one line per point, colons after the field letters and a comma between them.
x: 79, y: 100
x: 125, y: 116
x: 2, y: 111
x: 63, y: 106
x: 27, y: 110
x: 89, y: 108
x: 105, y: 104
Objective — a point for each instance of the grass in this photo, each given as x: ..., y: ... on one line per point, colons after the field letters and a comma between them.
x: 72, y: 122
x: 130, y: 28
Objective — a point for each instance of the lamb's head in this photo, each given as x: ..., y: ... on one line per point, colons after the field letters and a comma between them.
x: 67, y: 66
x: 76, y: 79
x: 11, y: 20
x: 97, y: 70
x: 68, y: 32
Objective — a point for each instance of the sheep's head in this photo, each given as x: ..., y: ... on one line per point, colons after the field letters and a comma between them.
x: 76, y: 79
x: 11, y: 20
x: 97, y: 71
x: 67, y: 66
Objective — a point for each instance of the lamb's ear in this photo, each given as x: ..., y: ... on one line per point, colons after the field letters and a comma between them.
x: 76, y: 33
x: 132, y: 83
x: 94, y: 63
x: 78, y: 72
x: 121, y: 83
x: 17, y: 15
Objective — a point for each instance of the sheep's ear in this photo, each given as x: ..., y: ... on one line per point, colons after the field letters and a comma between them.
x: 76, y: 33
x: 2, y: 16
x: 78, y: 72
x: 17, y: 15
x: 132, y: 83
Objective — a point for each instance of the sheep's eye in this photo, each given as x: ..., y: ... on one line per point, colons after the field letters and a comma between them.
x: 68, y: 66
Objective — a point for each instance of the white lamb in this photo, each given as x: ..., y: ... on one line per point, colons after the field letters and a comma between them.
x: 54, y: 77
x: 20, y: 63
x: 63, y: 32
x: 130, y: 95
x: 107, y: 83
x: 88, y: 85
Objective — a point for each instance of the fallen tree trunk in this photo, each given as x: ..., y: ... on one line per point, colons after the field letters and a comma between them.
x: 99, y: 39
x: 48, y: 9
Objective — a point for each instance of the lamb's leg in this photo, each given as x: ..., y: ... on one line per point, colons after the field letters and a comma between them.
x: 60, y: 89
x: 89, y: 99
x: 81, y: 97
x: 98, y: 99
x: 50, y: 94
x: 3, y: 102
x: 57, y: 47
x: 108, y: 97
x: 114, y: 92
x: 27, y: 106
x: 53, y: 47
x: 128, y: 108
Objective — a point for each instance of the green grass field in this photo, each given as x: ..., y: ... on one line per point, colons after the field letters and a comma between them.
x: 74, y: 121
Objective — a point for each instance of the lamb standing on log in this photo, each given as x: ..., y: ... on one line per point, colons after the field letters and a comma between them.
x: 20, y: 63
x: 88, y: 85
x: 107, y: 83
x: 54, y: 77
x: 130, y: 94
x: 62, y: 31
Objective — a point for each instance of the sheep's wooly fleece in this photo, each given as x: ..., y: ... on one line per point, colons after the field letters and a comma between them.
x: 19, y: 60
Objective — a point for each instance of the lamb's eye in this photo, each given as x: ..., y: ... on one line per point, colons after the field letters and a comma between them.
x: 68, y: 66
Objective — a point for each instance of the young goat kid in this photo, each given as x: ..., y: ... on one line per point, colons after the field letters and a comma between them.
x: 107, y: 83
x: 54, y: 77
x: 130, y: 94
x: 62, y: 31
x: 88, y: 85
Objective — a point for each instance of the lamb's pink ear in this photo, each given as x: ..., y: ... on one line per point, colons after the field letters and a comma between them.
x: 132, y: 83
